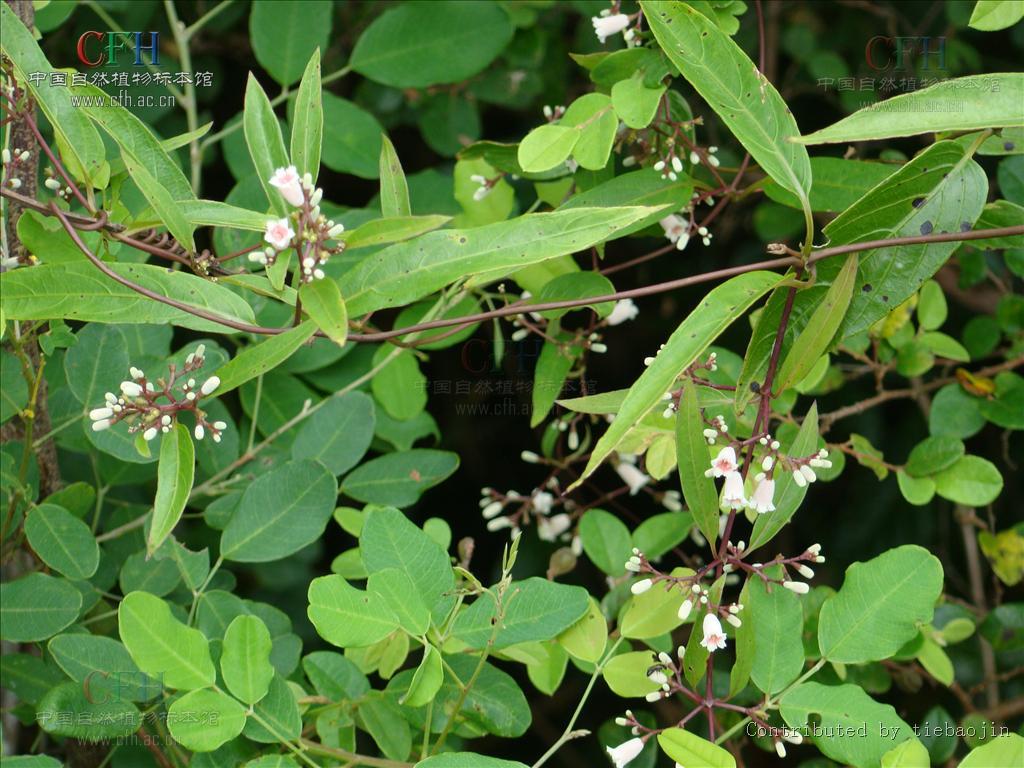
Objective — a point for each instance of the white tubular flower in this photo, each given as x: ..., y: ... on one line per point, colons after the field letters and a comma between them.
x: 624, y: 310
x: 672, y: 501
x: 798, y: 587
x: 675, y: 228
x: 724, y: 463
x: 492, y: 510
x: 632, y: 477
x: 542, y: 502
x: 279, y: 233
x: 780, y: 749
x: 550, y: 528
x: 762, y: 499
x: 529, y: 457
x: 210, y: 385
x: 288, y: 184
x: 625, y: 752
x: 498, y: 523
x: 733, y: 619
x: 733, y: 494
x: 633, y: 564
x: 100, y: 424
x: 606, y: 26
x: 803, y: 570
x: 714, y: 635
x: 100, y: 413
x: 641, y: 586
x: 684, y: 609
x: 131, y: 389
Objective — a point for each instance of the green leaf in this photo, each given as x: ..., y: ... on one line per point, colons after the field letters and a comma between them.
x: 553, y: 366
x: 67, y: 711
x: 692, y: 461
x: 535, y: 609
x: 352, y: 138
x: 587, y: 638
x: 958, y: 104
x: 880, y: 606
x: 993, y: 15
x: 868, y: 729
x: 334, y: 675
x: 909, y: 754
x: 79, y: 291
x: 339, y: 435
x: 36, y: 607
x: 399, y: 385
x: 322, y: 301
x: 175, y: 474
x: 626, y: 674
x: 1001, y: 752
x: 211, y: 213
x: 688, y: 748
x: 943, y: 346
x: 13, y: 387
x: 404, y: 272
x: 392, y: 230
x: 261, y: 357
x: 934, y: 454
x: 62, y: 541
x: 931, y: 306
x: 163, y: 202
x: 426, y: 681
x: 817, y: 336
x: 732, y: 85
x: 204, y: 720
x: 777, y: 619
x: 644, y: 187
x: 656, y: 611
x: 284, y: 34
x: 466, y: 760
x: 70, y: 123
x: 348, y: 617
x: 308, y: 120
x: 415, y: 44
x: 745, y: 643
x: 593, y: 116
x: 245, y: 659
x: 163, y: 647
x: 916, y: 490
x: 716, y: 312
x: 606, y: 541
x: 263, y: 137
x: 972, y: 481
x: 281, y: 512
x: 394, y: 189
x: 399, y: 479
x: 399, y: 592
x: 276, y: 716
x: 634, y: 102
x: 838, y: 183
x: 547, y: 147
x: 103, y: 666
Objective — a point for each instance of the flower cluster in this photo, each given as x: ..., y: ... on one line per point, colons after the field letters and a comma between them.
x: 154, y: 407
x: 519, y: 508
x: 12, y: 159
x: 311, y: 232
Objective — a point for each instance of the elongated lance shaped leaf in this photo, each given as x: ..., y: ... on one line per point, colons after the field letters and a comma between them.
x: 733, y: 86
x: 257, y: 359
x: 79, y: 137
x: 322, y: 301
x: 702, y: 326
x: 394, y: 189
x: 959, y: 104
x: 692, y: 457
x: 308, y: 123
x: 940, y: 190
x: 815, y: 339
x: 174, y: 478
x: 266, y: 146
x: 411, y: 270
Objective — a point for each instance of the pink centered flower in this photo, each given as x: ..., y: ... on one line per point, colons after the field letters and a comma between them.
x: 279, y: 233
x: 288, y: 184
x: 724, y: 462
x: 714, y: 635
